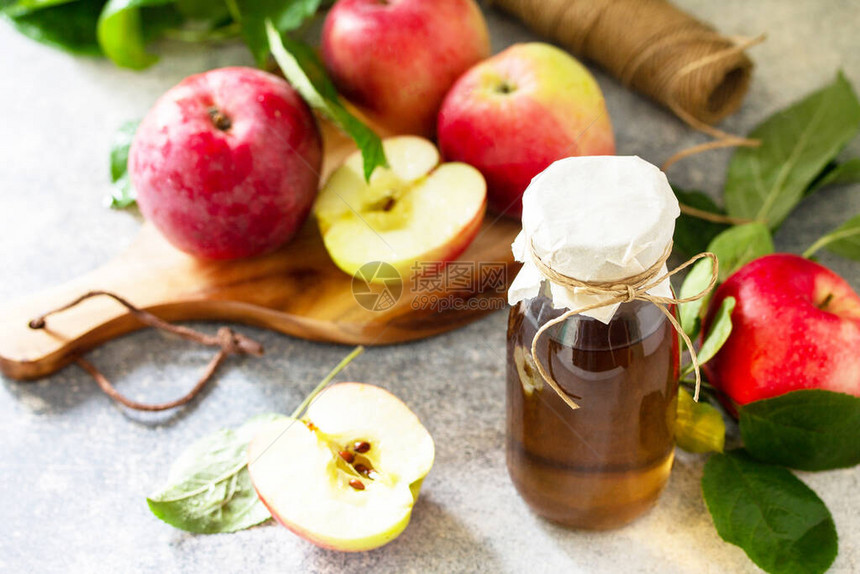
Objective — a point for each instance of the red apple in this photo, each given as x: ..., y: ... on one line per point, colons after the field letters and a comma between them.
x: 397, y: 58
x: 516, y: 113
x: 796, y: 326
x: 226, y: 164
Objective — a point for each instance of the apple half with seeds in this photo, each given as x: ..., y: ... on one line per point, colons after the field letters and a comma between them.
x: 347, y: 474
x: 415, y: 210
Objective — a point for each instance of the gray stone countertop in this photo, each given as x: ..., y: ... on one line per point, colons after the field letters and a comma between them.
x: 75, y: 468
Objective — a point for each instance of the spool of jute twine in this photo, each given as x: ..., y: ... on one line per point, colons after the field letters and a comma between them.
x: 654, y: 48
x: 635, y: 288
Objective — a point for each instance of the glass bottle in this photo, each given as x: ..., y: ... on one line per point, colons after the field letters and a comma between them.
x: 596, y: 230
x: 604, y: 464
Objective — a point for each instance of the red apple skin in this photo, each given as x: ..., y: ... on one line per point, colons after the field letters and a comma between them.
x: 307, y: 535
x: 514, y: 114
x: 236, y: 192
x: 397, y: 59
x: 796, y: 325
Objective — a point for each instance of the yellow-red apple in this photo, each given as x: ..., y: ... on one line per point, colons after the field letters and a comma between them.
x: 396, y: 59
x: 514, y: 114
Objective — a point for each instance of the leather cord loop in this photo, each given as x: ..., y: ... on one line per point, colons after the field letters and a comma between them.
x: 226, y: 340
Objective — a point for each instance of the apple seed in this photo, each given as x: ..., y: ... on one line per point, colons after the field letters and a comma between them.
x: 347, y: 456
x: 356, y: 484
x: 361, y: 469
x: 386, y: 204
x: 361, y: 447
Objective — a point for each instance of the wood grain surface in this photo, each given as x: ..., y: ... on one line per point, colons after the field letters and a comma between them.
x: 296, y: 290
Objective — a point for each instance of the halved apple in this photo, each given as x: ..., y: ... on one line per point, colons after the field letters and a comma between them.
x: 347, y: 474
x: 415, y: 210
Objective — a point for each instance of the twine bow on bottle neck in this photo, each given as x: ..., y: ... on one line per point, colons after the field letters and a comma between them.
x: 634, y: 288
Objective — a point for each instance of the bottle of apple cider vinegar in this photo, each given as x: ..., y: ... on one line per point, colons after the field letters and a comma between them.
x: 592, y: 359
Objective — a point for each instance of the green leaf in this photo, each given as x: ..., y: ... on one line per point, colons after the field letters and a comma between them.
x: 837, y: 174
x: 807, y: 429
x: 843, y: 173
x: 844, y: 240
x: 767, y: 182
x: 119, y: 149
x: 209, y: 489
x: 206, y: 10
x: 69, y: 26
x: 699, y: 427
x: 692, y: 234
x: 305, y: 72
x: 717, y: 335
x: 816, y: 183
x: 719, y: 332
x: 734, y: 248
x: 122, y: 35
x: 123, y: 194
x: 690, y: 314
x: 285, y: 15
x: 739, y: 245
x: 775, y: 518
x: 18, y: 7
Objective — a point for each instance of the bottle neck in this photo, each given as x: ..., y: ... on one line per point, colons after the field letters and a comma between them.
x: 631, y: 323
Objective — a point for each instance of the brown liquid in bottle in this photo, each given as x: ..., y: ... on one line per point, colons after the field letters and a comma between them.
x: 604, y: 464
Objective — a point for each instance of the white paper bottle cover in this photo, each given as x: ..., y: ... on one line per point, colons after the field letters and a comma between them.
x: 595, y: 218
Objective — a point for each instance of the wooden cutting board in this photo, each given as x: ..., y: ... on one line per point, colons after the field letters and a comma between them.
x: 296, y: 290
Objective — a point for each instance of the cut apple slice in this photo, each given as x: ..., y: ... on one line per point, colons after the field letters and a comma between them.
x: 347, y: 474
x: 530, y: 377
x: 415, y: 210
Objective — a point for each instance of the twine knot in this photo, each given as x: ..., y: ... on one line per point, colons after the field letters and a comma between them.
x: 233, y: 343
x: 633, y: 288
x: 631, y: 293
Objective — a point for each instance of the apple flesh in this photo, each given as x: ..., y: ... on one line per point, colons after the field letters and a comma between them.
x: 514, y: 114
x: 226, y: 164
x: 796, y: 325
x: 415, y: 210
x: 346, y: 475
x: 396, y: 59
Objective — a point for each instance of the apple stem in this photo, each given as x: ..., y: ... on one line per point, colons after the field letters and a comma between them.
x: 823, y: 305
x: 713, y: 217
x: 815, y: 247
x: 324, y: 383
x: 219, y: 119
